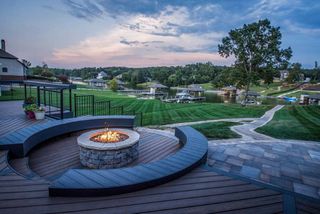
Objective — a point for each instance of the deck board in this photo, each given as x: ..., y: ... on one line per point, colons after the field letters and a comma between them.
x: 199, y: 191
x: 57, y: 155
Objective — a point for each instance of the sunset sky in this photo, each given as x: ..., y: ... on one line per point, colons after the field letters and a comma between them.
x: 140, y: 33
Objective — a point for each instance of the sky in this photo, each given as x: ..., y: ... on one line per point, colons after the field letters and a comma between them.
x: 142, y: 33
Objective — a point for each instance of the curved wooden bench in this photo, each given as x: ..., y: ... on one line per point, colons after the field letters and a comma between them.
x: 101, y: 182
x: 22, y: 141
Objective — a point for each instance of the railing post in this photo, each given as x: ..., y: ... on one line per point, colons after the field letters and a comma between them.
x: 61, y: 104
x: 109, y: 107
x: 121, y: 110
x: 38, y: 95
x: 70, y: 100
x: 141, y: 115
x: 75, y: 105
x: 25, y: 91
x: 93, y: 111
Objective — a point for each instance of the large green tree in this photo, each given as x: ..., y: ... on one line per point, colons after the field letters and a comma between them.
x: 255, y: 47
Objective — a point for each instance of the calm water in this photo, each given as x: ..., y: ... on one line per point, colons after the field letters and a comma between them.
x: 217, y: 98
x: 210, y: 97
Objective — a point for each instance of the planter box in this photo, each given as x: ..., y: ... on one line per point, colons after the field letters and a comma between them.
x: 30, y: 114
x: 39, y: 115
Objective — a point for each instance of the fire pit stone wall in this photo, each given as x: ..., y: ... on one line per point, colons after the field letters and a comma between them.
x: 96, y: 155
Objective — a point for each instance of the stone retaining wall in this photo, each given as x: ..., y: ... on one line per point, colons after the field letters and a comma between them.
x: 102, y: 159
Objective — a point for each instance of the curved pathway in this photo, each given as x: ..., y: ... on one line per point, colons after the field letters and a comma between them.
x: 292, y: 165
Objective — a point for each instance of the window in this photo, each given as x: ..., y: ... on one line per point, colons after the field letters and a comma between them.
x: 4, y: 69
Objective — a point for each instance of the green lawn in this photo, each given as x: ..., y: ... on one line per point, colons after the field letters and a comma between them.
x: 294, y: 122
x: 300, y: 92
x: 272, y: 89
x: 217, y: 130
x: 156, y: 112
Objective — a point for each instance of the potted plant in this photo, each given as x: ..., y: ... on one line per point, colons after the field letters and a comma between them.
x: 39, y: 113
x: 30, y: 100
x: 29, y: 110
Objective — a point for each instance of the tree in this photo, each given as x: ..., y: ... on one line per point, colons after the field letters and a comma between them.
x: 63, y: 78
x: 113, y: 85
x: 255, y: 47
x: 45, y: 71
x: 294, y: 73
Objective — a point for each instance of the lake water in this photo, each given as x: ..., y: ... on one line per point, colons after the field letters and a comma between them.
x: 212, y: 97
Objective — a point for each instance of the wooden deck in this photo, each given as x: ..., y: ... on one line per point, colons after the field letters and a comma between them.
x: 201, y: 191
x: 12, y: 117
x: 57, y: 155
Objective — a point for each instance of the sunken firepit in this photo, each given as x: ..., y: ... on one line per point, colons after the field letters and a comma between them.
x: 108, y: 148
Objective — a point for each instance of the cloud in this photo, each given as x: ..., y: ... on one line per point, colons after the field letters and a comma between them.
x: 154, y: 40
x: 271, y: 7
x: 293, y: 27
x: 85, y: 9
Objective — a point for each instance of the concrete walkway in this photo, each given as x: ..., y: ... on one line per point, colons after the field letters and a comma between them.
x: 293, y: 165
x: 247, y: 130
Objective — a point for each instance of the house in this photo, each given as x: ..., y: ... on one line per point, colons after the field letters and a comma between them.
x: 102, y: 75
x: 11, y: 69
x: 97, y: 83
x: 229, y: 91
x: 284, y: 75
x: 157, y: 88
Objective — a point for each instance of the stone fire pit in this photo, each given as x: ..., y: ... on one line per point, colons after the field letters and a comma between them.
x: 97, y: 155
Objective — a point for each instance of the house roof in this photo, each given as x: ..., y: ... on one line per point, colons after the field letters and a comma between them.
x: 97, y: 80
x: 229, y: 88
x: 6, y: 55
x: 157, y: 85
x: 195, y: 87
x: 252, y: 93
x: 315, y: 96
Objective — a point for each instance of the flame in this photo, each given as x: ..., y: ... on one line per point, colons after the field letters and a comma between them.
x: 107, y: 136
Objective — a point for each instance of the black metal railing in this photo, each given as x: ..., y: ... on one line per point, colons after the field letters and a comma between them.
x: 102, y: 108
x: 87, y: 105
x: 84, y: 105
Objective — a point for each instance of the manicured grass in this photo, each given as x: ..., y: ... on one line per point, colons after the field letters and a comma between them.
x: 294, y: 122
x: 156, y: 112
x: 272, y: 89
x: 217, y: 130
x: 300, y: 92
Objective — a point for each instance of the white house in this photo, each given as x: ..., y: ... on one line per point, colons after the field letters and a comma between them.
x: 11, y: 69
x: 284, y: 75
x: 101, y: 75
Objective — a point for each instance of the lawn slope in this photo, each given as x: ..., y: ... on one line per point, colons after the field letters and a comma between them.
x: 294, y: 122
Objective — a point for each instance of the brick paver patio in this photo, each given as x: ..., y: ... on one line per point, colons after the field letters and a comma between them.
x: 294, y: 166
x: 289, y: 164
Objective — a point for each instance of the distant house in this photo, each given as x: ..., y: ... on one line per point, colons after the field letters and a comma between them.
x: 156, y: 88
x: 195, y: 90
x: 284, y: 74
x: 121, y: 84
x: 101, y: 75
x: 97, y: 83
x: 75, y: 78
x: 313, y: 99
x: 229, y: 91
x: 11, y: 69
